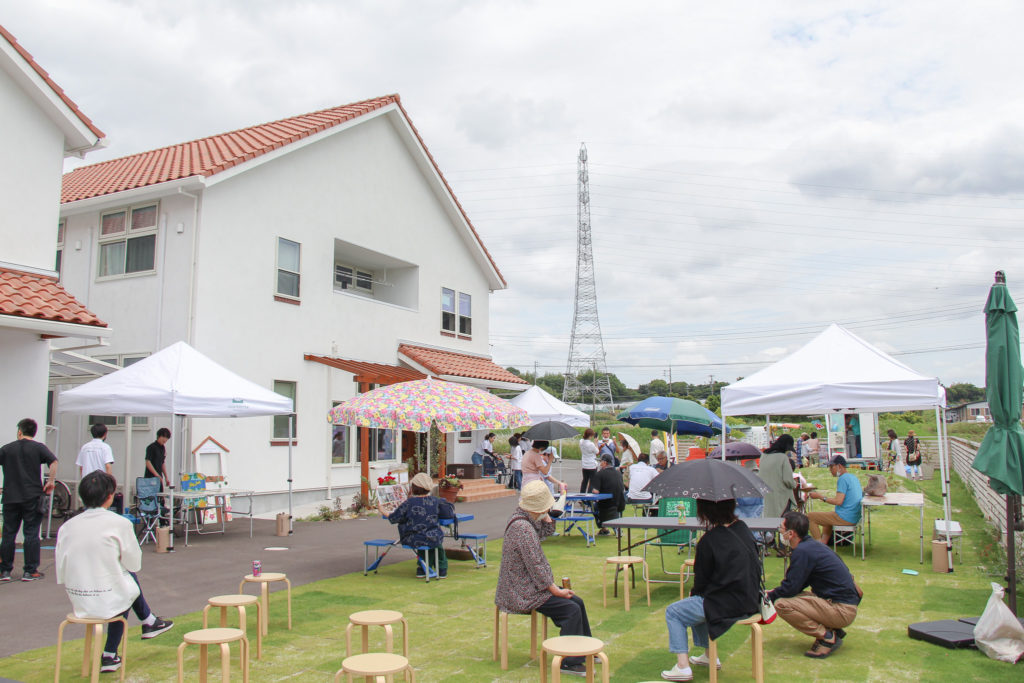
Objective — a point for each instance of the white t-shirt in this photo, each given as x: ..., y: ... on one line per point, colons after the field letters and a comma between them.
x: 588, y: 454
x: 95, y: 551
x: 486, y: 447
x: 656, y: 447
x: 94, y: 455
x: 517, y: 458
x: 640, y: 475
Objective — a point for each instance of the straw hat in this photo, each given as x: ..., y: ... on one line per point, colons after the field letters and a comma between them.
x: 423, y: 480
x: 536, y: 497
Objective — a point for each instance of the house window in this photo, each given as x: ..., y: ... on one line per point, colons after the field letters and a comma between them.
x: 60, y: 248
x: 465, y: 314
x: 447, y: 310
x: 465, y: 437
x: 123, y: 361
x: 128, y: 241
x: 348, y: 277
x: 382, y: 444
x: 288, y: 268
x: 286, y: 389
x: 339, y: 442
x: 456, y: 319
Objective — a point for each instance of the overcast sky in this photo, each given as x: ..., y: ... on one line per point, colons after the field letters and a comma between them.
x: 758, y: 170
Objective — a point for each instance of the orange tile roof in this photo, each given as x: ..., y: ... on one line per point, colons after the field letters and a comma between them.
x: 27, y: 295
x: 49, y: 81
x: 458, y: 364
x: 375, y: 373
x: 217, y: 153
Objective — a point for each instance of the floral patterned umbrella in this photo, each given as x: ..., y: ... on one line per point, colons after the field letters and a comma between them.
x: 413, y: 406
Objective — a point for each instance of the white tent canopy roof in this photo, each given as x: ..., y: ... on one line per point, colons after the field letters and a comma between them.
x: 837, y: 371
x: 175, y: 381
x: 543, y: 407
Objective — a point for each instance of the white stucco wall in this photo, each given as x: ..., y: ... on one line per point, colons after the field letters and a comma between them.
x: 24, y: 365
x: 29, y: 180
x: 359, y: 185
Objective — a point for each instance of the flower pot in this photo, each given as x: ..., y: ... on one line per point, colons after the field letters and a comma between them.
x: 449, y: 493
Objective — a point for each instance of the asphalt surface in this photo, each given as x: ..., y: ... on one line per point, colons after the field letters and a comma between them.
x: 180, y: 582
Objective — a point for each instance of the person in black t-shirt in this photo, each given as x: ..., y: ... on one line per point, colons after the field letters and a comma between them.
x: 608, y: 480
x: 21, y: 461
x: 156, y: 456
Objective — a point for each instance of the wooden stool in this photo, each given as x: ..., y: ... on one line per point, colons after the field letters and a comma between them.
x: 572, y: 646
x: 215, y: 636
x: 377, y: 617
x: 621, y: 562
x: 240, y: 602
x: 685, y: 572
x: 93, y: 650
x: 501, y: 634
x: 756, y: 647
x: 375, y: 664
x: 265, y: 579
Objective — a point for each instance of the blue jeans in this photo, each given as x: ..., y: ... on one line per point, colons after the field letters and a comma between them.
x: 517, y: 479
x: 686, y: 612
x: 478, y: 459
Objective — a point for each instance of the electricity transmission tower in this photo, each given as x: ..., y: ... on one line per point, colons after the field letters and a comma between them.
x: 586, y: 348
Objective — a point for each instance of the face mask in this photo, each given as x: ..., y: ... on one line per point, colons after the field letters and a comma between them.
x: 785, y: 539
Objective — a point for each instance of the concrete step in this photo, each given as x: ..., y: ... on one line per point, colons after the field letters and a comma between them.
x: 482, y: 489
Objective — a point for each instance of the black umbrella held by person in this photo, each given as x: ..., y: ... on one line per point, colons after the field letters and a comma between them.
x: 708, y: 480
x: 551, y: 430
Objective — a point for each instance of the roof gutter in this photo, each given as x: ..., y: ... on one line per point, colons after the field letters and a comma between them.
x: 54, y: 328
x: 138, y: 194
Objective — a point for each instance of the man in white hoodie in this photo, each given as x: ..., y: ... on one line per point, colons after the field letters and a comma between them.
x: 97, y: 556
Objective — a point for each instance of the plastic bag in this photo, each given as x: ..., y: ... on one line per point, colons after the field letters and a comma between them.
x: 998, y: 633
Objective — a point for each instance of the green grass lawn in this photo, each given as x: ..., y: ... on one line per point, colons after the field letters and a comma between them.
x: 451, y: 621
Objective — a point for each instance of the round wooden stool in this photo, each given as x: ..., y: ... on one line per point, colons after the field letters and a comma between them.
x: 265, y: 579
x: 240, y: 602
x: 92, y: 653
x: 621, y: 562
x: 501, y: 634
x: 377, y: 617
x: 206, y: 637
x: 572, y: 646
x: 375, y: 664
x: 756, y: 649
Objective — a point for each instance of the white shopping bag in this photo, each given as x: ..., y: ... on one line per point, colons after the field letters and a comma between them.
x: 998, y: 633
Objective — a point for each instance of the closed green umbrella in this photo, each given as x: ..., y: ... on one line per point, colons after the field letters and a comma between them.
x: 1001, y: 455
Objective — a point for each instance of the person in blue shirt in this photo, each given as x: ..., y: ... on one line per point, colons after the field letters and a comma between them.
x: 830, y: 605
x: 418, y: 526
x: 847, y: 502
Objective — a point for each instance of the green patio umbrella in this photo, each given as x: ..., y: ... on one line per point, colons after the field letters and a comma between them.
x: 1001, y: 455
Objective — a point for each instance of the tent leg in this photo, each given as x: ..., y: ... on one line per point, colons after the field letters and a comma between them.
x: 291, y: 432
x: 946, y: 509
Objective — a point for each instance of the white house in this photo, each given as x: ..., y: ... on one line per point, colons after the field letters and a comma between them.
x: 42, y: 127
x: 317, y: 255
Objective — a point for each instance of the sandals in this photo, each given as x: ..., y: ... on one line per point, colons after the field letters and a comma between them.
x: 822, y: 648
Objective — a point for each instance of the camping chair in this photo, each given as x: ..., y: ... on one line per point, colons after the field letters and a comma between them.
x: 673, y: 539
x: 147, y: 506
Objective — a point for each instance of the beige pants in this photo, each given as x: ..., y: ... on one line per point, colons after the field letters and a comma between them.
x: 825, y: 520
x: 812, y: 615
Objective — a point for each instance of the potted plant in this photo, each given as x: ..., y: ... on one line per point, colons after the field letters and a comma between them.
x: 448, y: 487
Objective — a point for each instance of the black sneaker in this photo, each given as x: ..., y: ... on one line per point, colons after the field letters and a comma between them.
x: 5, y: 576
x: 108, y: 664
x: 158, y: 627
x: 574, y: 669
x: 32, y: 576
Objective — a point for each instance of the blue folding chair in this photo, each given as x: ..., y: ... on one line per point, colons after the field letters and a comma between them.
x: 147, y: 506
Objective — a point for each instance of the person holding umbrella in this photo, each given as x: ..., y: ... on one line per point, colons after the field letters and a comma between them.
x: 536, y: 466
x: 726, y: 586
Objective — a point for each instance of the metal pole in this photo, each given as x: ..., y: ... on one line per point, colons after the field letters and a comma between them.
x: 946, y: 511
x: 1011, y: 557
x: 291, y: 433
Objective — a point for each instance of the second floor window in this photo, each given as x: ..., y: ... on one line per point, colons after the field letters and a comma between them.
x: 288, y: 255
x: 61, y: 225
x: 456, y: 312
x: 128, y: 241
x: 347, y: 277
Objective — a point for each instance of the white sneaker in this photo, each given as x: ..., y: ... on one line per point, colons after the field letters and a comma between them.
x: 677, y: 674
x: 702, y: 660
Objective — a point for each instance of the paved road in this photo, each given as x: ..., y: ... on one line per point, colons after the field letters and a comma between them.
x: 180, y: 582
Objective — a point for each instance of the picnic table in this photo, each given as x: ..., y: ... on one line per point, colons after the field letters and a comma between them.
x: 898, y: 499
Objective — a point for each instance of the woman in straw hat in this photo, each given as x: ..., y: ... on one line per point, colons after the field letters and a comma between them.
x: 417, y: 519
x: 525, y: 582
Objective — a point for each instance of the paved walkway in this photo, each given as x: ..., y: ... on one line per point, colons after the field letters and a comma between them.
x: 180, y: 582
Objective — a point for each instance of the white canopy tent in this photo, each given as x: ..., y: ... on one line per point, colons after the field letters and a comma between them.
x: 178, y: 381
x: 544, y: 407
x: 838, y: 372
